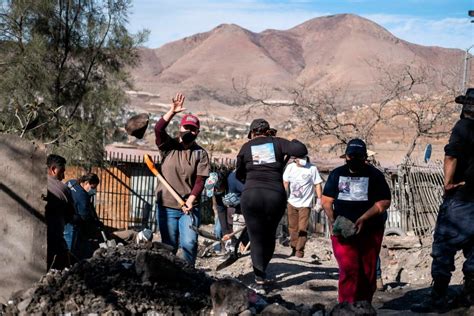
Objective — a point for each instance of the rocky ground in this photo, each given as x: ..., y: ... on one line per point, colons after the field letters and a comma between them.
x: 406, y: 263
x: 149, y: 279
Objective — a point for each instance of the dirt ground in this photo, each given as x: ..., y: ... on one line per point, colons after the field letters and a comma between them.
x: 148, y: 278
x: 313, y: 279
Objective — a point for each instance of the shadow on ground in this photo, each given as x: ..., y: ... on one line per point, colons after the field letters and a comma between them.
x: 416, y: 296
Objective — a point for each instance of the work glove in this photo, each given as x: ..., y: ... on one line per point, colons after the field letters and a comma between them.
x: 317, y: 207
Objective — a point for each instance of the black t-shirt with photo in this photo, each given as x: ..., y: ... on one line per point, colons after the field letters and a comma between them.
x: 355, y: 193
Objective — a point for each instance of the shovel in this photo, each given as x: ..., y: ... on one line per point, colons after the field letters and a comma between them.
x: 235, y: 255
x: 151, y: 165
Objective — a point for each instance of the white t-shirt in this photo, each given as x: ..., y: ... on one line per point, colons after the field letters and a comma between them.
x: 301, y: 183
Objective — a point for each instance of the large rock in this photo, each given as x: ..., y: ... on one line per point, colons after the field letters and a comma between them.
x: 344, y: 227
x: 229, y: 297
x: 154, y: 267
x: 277, y: 309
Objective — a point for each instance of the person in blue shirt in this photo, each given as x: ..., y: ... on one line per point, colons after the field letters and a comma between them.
x: 85, y: 221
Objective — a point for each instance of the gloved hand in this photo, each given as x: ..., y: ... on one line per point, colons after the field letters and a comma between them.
x: 317, y: 207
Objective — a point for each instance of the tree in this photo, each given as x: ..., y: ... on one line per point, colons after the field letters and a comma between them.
x: 402, y: 91
x: 63, y: 71
x: 430, y: 113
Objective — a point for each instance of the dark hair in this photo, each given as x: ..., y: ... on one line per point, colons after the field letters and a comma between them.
x: 55, y: 161
x: 271, y: 132
x: 302, y: 157
x: 92, y: 178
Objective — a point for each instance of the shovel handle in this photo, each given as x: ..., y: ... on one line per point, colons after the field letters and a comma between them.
x: 151, y: 165
x: 103, y: 235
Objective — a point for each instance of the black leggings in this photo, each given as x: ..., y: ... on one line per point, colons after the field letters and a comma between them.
x: 262, y: 210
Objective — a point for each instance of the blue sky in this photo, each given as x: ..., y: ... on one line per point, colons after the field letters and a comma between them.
x: 442, y: 23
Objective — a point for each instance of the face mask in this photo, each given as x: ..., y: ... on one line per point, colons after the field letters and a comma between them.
x: 302, y: 162
x: 355, y: 164
x: 188, y: 137
x: 92, y: 192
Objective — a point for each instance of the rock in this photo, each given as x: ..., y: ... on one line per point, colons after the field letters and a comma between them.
x: 153, y: 267
x: 229, y: 297
x: 137, y: 125
x: 277, y: 309
x: 246, y: 312
x: 23, y: 305
x: 357, y: 308
x: 344, y: 227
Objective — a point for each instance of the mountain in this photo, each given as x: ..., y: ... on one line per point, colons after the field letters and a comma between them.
x: 342, y: 50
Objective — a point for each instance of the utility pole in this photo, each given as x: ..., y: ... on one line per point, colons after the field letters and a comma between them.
x: 467, y: 56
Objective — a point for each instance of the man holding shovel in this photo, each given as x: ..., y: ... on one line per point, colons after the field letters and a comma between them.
x: 185, y: 166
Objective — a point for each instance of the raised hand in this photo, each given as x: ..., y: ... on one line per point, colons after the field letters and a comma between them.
x: 177, y: 103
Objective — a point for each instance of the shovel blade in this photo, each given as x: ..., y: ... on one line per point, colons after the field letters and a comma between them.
x: 229, y: 261
x: 204, y: 233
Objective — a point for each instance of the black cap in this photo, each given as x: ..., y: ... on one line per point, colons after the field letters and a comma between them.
x: 259, y: 126
x: 467, y: 101
x: 356, y: 147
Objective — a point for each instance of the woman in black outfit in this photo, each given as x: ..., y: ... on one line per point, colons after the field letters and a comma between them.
x: 260, y: 165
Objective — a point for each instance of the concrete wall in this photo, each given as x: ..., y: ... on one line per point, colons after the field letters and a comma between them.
x: 22, y: 223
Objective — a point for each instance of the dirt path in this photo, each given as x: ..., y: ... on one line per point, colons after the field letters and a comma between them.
x: 313, y: 280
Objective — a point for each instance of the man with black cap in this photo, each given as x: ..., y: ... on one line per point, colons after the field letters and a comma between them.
x: 357, y: 191
x: 260, y: 165
x: 454, y: 229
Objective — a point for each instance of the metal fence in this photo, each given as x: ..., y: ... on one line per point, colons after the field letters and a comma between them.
x: 126, y: 196
x: 417, y: 192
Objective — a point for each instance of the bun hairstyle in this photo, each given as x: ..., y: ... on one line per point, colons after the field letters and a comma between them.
x: 271, y: 132
x: 92, y: 178
x: 258, y: 127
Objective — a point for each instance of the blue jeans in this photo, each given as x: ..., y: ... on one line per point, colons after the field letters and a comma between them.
x: 175, y: 230
x: 217, y: 232
x: 70, y: 235
x: 454, y: 231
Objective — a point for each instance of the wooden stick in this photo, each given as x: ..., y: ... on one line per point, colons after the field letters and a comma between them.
x: 151, y: 165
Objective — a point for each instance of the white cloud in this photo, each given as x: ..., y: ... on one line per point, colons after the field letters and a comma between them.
x: 447, y: 32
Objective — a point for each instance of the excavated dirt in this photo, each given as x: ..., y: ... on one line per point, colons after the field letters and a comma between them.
x: 127, y: 280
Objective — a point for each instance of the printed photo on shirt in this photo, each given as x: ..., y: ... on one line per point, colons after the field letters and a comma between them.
x: 296, y: 190
x: 353, y: 189
x: 262, y: 154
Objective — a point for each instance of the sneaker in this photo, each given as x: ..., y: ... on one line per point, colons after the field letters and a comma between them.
x: 380, y: 286
x: 258, y: 288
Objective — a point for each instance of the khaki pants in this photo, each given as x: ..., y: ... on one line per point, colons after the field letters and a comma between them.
x: 298, y: 219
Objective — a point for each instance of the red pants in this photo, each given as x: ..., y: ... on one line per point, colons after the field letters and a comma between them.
x: 357, y: 260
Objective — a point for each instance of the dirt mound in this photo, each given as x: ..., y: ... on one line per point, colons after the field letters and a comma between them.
x: 131, y: 279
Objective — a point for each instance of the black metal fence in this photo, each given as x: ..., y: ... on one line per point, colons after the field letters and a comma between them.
x: 126, y: 195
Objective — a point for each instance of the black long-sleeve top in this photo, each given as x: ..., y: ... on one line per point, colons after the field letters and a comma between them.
x: 261, y: 161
